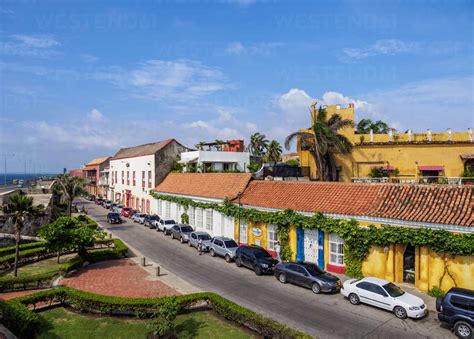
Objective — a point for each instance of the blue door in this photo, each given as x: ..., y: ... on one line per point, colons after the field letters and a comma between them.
x: 321, y: 249
x: 299, y: 244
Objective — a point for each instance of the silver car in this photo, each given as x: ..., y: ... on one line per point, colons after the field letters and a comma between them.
x: 165, y: 225
x: 194, y: 240
x: 224, y: 247
x: 138, y: 217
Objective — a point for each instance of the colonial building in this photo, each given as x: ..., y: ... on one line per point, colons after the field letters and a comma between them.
x: 410, y: 157
x: 436, y: 207
x: 91, y: 172
x: 134, y: 171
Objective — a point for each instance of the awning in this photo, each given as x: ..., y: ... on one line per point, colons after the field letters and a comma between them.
x: 467, y: 156
x: 431, y: 168
x: 188, y: 161
x: 384, y: 167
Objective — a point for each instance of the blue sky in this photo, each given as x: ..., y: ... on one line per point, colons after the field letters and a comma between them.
x: 81, y: 79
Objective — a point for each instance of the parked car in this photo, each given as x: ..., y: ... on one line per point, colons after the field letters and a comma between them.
x: 256, y: 258
x: 126, y: 212
x: 194, y: 240
x: 456, y: 308
x: 91, y: 197
x: 181, y: 232
x: 224, y: 247
x: 165, y: 225
x: 141, y: 218
x: 307, y: 275
x: 118, y: 209
x: 107, y: 204
x: 153, y: 221
x: 136, y: 217
x: 112, y: 206
x: 384, y: 294
x: 114, y: 218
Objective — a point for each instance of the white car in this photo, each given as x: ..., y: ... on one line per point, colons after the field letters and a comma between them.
x: 384, y: 294
x: 165, y: 225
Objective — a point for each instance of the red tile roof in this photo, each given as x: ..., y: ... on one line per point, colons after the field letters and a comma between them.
x: 207, y: 185
x: 421, y: 203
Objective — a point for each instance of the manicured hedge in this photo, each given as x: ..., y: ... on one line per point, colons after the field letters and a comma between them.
x: 145, y: 307
x: 87, y: 221
x: 19, y: 319
x: 32, y: 281
x: 11, y: 249
x: 7, y: 261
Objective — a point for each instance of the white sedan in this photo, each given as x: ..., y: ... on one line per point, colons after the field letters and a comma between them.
x: 384, y: 294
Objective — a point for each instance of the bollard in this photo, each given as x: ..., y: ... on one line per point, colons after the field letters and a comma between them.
x: 110, y: 235
x: 143, y: 261
x: 157, y: 271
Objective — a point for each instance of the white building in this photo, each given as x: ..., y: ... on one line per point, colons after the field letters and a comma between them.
x: 134, y: 171
x: 216, y: 161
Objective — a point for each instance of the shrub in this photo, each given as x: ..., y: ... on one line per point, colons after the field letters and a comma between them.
x: 7, y: 260
x: 87, y: 221
x: 19, y: 319
x: 11, y: 249
x: 163, y: 321
x: 435, y: 292
x: 33, y: 281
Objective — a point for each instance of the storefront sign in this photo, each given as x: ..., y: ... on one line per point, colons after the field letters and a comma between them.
x: 256, y: 232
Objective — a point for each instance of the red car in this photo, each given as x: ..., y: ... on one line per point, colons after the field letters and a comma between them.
x: 126, y: 212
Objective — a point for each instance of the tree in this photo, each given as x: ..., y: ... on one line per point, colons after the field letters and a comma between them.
x: 177, y: 166
x: 379, y: 127
x: 59, y: 234
x: 254, y: 166
x: 163, y: 322
x: 258, y: 144
x: 70, y: 188
x: 323, y: 140
x: 219, y: 144
x: 19, y: 210
x: 293, y: 162
x: 200, y: 145
x: 273, y: 152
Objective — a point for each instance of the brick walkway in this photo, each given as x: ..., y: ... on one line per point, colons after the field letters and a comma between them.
x: 121, y: 278
x: 11, y: 295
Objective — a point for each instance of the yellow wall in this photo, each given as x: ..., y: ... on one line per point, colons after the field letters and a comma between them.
x: 402, y: 156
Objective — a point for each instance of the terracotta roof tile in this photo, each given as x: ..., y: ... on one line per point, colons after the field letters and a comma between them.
x: 141, y: 150
x: 97, y: 161
x: 207, y: 185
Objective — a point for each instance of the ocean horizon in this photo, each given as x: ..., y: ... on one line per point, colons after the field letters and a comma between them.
x: 21, y: 176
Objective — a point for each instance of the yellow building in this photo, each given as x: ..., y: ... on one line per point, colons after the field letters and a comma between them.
x: 417, y: 157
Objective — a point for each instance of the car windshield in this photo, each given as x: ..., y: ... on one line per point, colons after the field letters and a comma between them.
x: 170, y: 222
x: 393, y: 290
x: 154, y: 217
x: 204, y: 237
x: 261, y: 254
x: 230, y: 243
x: 186, y: 229
x: 114, y: 215
x: 314, y: 270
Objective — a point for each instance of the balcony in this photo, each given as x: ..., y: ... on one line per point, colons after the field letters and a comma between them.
x: 439, y: 180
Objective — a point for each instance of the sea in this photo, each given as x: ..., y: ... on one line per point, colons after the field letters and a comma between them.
x: 22, y: 176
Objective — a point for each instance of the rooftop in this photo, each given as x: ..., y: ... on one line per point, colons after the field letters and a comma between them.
x: 141, y: 150
x: 97, y: 161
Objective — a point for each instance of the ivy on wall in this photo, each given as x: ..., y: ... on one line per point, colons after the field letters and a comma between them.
x: 357, y: 239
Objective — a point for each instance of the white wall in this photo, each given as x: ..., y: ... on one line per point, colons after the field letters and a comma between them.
x: 241, y: 159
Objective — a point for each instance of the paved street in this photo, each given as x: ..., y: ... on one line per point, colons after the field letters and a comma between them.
x: 325, y: 316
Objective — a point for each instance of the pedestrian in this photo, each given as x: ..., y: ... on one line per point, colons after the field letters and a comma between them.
x: 277, y: 250
x: 200, y: 246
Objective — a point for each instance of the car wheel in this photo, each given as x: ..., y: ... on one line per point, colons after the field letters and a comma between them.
x: 212, y: 253
x: 282, y: 278
x: 354, y: 299
x: 189, y: 243
x: 400, y: 312
x: 181, y: 240
x: 462, y: 329
x: 316, y: 288
x: 228, y: 258
x: 238, y: 262
x: 258, y: 270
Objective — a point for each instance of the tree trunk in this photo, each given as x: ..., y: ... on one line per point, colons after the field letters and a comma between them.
x: 332, y: 167
x: 59, y: 253
x: 17, y: 247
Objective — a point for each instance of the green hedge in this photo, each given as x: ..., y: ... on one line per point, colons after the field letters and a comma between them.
x: 8, y: 260
x: 145, y: 307
x: 11, y: 249
x: 19, y: 319
x: 32, y: 281
x: 87, y: 221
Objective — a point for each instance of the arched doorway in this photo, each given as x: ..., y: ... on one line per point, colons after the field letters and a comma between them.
x: 409, y: 264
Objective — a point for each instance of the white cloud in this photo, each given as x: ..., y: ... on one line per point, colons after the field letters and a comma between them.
x: 89, y: 58
x: 380, y: 47
x: 36, y: 41
x: 260, y: 48
x: 95, y: 115
x: 29, y: 45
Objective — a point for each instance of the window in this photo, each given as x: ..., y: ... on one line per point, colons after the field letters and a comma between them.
x: 378, y: 290
x: 272, y: 237
x: 199, y: 217
x: 178, y: 213
x: 364, y: 286
x: 148, y: 206
x: 218, y: 243
x: 159, y: 210
x: 168, y: 209
x: 192, y: 220
x: 460, y: 302
x: 293, y: 267
x: 133, y: 178
x: 302, y: 270
x: 336, y: 250
x: 243, y: 232
x: 123, y: 178
x: 149, y: 179
x: 128, y: 177
x: 209, y: 220
x: 143, y: 178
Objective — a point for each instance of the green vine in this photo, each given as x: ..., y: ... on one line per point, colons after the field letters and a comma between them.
x: 358, y: 240
x: 184, y: 218
x: 283, y: 231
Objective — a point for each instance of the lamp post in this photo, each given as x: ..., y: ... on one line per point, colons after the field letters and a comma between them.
x: 239, y: 195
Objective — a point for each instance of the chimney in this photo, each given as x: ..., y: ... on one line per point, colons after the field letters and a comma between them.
x: 428, y: 134
x: 351, y: 105
x: 409, y: 135
x: 450, y: 134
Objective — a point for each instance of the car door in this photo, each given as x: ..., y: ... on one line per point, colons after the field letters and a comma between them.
x: 193, y: 239
x: 381, y: 298
x: 246, y: 257
x: 218, y: 246
x: 365, y: 294
x: 291, y: 273
x: 303, y: 277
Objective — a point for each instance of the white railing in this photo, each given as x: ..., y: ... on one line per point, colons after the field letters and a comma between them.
x: 418, y: 180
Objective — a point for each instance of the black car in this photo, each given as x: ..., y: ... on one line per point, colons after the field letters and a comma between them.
x: 456, y: 308
x: 255, y: 258
x: 151, y: 221
x: 307, y: 275
x: 114, y: 218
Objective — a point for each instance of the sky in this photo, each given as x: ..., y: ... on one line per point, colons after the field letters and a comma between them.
x: 80, y: 79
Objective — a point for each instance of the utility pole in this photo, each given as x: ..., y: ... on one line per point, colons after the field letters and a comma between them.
x: 5, y: 155
x: 239, y: 195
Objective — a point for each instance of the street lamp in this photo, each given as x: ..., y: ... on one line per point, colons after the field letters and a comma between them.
x: 239, y: 195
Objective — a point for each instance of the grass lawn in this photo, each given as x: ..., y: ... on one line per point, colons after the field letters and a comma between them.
x: 62, y: 323
x: 43, y: 266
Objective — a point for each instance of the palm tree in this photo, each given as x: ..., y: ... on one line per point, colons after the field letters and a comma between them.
x: 323, y: 140
x: 219, y: 144
x: 258, y: 144
x: 70, y: 188
x: 273, y: 152
x: 379, y: 127
x: 19, y: 210
x: 199, y: 146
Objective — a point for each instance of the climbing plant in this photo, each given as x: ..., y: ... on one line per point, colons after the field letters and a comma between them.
x: 357, y: 240
x: 184, y: 218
